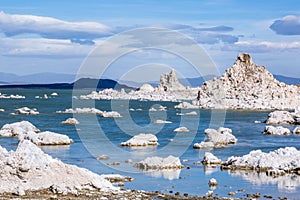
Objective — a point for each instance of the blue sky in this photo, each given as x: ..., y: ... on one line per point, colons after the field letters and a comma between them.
x: 56, y: 36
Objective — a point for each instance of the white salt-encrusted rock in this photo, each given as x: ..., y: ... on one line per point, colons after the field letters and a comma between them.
x: 24, y: 130
x: 146, y: 88
x: 276, y: 130
x: 296, y: 130
x: 186, y: 105
x: 210, y: 159
x: 101, y: 113
x: 70, y: 121
x: 141, y: 140
x: 30, y: 169
x: 46, y: 138
x: 212, y: 182
x: 113, y: 178
x: 246, y: 85
x: 182, y: 129
x: 169, y: 82
x: 12, y: 96
x: 159, y: 163
x: 54, y: 94
x: 17, y: 128
x: 27, y: 111
x: 2, y: 110
x: 280, y: 117
x: 286, y: 159
x: 159, y: 121
x: 217, y: 138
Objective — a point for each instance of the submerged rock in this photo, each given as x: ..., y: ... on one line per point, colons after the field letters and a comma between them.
x: 141, y: 140
x: 216, y: 138
x: 285, y: 159
x: 276, y: 130
x: 30, y: 169
x: 155, y: 162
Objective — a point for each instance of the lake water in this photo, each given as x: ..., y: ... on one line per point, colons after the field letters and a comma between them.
x: 96, y: 136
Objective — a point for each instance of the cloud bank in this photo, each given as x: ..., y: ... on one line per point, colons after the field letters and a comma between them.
x: 51, y: 28
x: 288, y: 25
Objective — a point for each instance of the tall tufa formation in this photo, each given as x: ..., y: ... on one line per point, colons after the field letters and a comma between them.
x: 169, y: 82
x: 246, y: 85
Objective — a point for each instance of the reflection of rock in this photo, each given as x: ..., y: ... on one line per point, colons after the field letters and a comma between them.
x: 70, y: 121
x: 284, y: 159
x: 169, y: 174
x: 141, y: 140
x: 216, y: 138
x: 285, y: 182
x: 155, y: 162
x: 276, y: 130
x: 30, y: 169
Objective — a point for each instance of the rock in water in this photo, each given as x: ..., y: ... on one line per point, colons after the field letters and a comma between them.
x: 141, y: 140
x: 155, y: 162
x: 276, y: 130
x: 169, y: 82
x: 246, y: 85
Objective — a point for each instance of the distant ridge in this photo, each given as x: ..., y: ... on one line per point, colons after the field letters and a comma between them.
x: 83, y: 83
x: 288, y: 80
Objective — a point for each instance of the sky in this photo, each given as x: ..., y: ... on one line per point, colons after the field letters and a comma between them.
x: 59, y: 36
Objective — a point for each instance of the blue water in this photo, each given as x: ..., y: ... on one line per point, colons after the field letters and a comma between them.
x: 97, y: 136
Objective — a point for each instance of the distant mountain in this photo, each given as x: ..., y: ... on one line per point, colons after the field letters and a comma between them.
x: 288, y: 80
x: 39, y: 78
x: 83, y: 83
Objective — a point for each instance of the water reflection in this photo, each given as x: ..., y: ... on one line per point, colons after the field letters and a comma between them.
x: 288, y: 182
x: 169, y: 174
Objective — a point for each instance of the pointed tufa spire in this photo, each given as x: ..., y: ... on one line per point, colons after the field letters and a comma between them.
x: 169, y: 82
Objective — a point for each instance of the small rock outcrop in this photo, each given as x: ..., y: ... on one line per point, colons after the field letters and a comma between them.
x: 216, y: 138
x: 146, y: 88
x: 276, y: 130
x: 246, y: 85
x: 70, y: 121
x: 27, y: 111
x: 24, y: 130
x: 283, y: 117
x: 112, y: 114
x: 141, y: 140
x: 30, y: 169
x: 210, y: 159
x: 182, y: 129
x: 283, y: 160
x: 169, y: 82
x: 155, y: 162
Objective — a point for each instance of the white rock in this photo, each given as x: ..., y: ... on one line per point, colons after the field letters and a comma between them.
x: 17, y: 128
x: 27, y: 111
x: 54, y: 94
x: 42, y: 172
x: 162, y: 122
x: 182, y: 129
x: 152, y: 110
x: 112, y: 114
x: 296, y: 130
x: 186, y: 105
x: 141, y: 140
x: 2, y: 110
x: 217, y: 138
x: 12, y: 96
x: 46, y: 138
x: 286, y: 159
x: 159, y: 163
x: 280, y: 117
x: 210, y: 159
x: 212, y: 182
x: 70, y: 121
x: 276, y: 130
x: 187, y: 114
x: 169, y: 82
x: 146, y: 88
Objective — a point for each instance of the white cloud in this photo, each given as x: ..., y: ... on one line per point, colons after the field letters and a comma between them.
x: 262, y: 46
x: 51, y: 28
x: 42, y: 47
x: 288, y: 25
